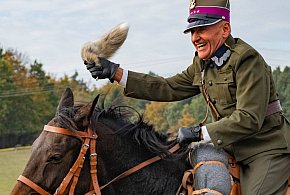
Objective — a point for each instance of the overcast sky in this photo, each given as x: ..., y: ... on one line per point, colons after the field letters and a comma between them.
x: 53, y: 31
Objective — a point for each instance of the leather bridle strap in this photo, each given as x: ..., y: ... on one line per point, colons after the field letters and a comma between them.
x: 140, y: 166
x: 73, y: 175
x: 58, y: 130
x: 33, y: 185
x: 93, y: 163
x: 72, y: 172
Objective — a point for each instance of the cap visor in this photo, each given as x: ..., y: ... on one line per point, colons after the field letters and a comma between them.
x: 198, y: 23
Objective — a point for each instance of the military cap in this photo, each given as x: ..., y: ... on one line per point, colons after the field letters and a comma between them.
x: 207, y: 12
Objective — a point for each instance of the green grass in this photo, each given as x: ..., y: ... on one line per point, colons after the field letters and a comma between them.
x: 12, y: 162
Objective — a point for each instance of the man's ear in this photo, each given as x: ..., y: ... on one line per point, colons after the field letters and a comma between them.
x: 226, y: 29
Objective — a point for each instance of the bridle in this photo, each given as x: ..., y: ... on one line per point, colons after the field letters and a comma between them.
x: 88, y: 139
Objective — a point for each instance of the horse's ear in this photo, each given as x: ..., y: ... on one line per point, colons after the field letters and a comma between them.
x: 94, y: 103
x: 84, y: 114
x: 67, y: 100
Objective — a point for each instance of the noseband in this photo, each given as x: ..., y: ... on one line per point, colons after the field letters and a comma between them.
x: 88, y: 139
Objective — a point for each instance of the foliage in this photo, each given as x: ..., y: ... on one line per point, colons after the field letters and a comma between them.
x: 29, y: 97
x: 282, y: 81
x: 154, y: 114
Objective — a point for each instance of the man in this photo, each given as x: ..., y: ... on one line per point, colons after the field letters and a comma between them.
x: 238, y: 87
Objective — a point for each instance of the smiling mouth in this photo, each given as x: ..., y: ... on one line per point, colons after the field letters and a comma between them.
x: 200, y: 45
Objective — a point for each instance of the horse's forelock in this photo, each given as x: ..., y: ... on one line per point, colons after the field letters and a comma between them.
x: 66, y: 117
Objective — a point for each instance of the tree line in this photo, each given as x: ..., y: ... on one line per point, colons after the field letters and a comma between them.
x: 29, y: 97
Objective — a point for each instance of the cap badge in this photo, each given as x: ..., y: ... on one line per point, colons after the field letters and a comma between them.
x: 192, y: 4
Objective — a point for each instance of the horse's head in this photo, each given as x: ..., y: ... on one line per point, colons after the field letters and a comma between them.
x: 53, y: 154
x: 115, y: 145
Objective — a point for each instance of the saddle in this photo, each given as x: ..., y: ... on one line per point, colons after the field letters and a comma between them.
x: 187, y: 186
x: 211, y: 172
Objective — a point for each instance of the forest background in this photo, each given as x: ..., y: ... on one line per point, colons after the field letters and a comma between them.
x: 29, y: 97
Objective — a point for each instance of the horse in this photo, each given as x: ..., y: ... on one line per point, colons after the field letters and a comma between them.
x: 120, y: 144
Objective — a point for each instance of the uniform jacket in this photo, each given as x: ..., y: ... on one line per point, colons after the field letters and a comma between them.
x: 241, y: 90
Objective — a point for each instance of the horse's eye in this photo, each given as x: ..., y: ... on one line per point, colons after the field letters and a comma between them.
x: 56, y: 158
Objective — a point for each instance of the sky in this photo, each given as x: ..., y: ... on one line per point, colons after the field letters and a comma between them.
x: 53, y: 32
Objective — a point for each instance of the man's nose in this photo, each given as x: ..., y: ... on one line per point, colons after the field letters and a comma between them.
x: 194, y: 36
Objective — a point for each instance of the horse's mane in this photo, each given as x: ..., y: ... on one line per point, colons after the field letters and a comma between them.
x: 141, y: 132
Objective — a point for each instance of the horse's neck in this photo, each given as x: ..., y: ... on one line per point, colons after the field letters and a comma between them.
x: 124, y: 153
x: 118, y: 153
x: 128, y: 154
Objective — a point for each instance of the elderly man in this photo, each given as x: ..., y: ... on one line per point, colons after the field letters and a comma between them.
x: 238, y: 87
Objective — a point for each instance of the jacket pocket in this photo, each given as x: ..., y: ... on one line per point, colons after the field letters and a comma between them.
x: 224, y: 89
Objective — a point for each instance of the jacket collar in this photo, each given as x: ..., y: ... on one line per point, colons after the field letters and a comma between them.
x: 223, y: 53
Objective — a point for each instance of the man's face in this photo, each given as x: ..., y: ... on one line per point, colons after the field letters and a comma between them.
x: 207, y: 39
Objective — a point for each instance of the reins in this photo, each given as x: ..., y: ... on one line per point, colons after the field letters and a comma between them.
x: 140, y: 166
x: 88, y: 139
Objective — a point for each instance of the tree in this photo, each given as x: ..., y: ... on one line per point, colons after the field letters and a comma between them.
x: 6, y: 83
x: 28, y: 97
x: 282, y: 81
x: 154, y: 114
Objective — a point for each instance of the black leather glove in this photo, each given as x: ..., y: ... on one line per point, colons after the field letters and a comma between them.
x: 186, y: 135
x: 107, y: 69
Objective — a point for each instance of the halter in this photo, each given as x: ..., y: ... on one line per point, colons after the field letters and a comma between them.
x: 88, y: 139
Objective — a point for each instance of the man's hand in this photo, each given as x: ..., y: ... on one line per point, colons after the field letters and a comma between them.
x: 107, y: 69
x: 186, y: 135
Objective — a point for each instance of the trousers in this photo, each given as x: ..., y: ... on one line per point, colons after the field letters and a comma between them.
x: 266, y: 175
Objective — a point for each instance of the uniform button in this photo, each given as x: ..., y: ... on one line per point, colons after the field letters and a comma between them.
x: 219, y: 142
x: 210, y: 83
x: 225, y: 79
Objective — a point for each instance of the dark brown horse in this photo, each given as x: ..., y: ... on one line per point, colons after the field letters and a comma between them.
x: 120, y: 145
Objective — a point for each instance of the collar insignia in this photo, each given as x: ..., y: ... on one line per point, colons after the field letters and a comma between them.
x: 221, y: 56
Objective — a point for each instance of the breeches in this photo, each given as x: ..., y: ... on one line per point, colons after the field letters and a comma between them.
x: 267, y: 175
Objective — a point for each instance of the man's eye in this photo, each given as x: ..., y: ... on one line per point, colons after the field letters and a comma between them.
x: 202, y: 29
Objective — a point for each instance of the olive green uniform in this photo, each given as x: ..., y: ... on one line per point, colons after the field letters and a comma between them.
x: 241, y: 90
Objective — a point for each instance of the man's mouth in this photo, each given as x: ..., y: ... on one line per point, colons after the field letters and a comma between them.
x: 200, y: 45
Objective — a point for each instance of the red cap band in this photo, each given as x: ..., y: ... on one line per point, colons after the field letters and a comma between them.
x: 220, y: 11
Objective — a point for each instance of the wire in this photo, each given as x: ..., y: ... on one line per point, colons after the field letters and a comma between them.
x: 19, y: 93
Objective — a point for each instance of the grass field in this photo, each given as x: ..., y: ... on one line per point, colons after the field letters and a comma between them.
x: 12, y: 162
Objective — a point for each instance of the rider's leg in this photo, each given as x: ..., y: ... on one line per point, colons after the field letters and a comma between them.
x: 266, y: 175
